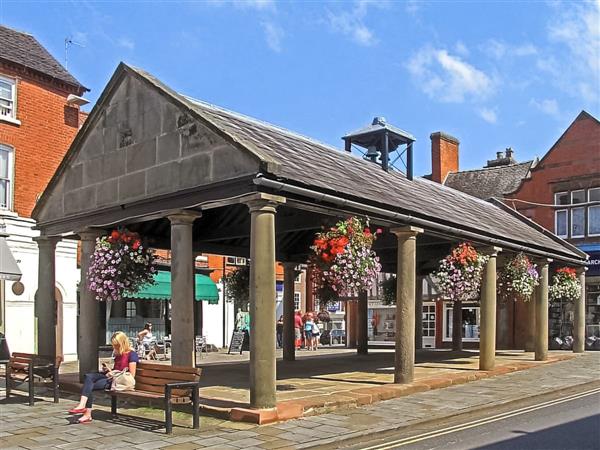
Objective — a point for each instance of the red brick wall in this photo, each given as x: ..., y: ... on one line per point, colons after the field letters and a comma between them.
x: 444, y: 156
x: 48, y: 126
x: 573, y: 161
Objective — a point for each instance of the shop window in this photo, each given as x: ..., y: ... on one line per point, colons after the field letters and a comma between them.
x: 131, y: 310
x: 594, y: 220
x: 578, y: 222
x: 8, y: 96
x: 296, y: 301
x: 560, y: 223
x: 578, y: 197
x: 6, y: 171
x: 470, y: 322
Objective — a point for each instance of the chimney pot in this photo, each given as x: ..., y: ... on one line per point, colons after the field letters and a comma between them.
x: 499, y: 155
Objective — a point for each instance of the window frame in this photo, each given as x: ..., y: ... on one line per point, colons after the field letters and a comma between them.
x: 566, y: 211
x: 13, y: 108
x: 556, y: 194
x: 585, y: 196
x: 588, y: 230
x: 11, y: 177
x: 589, y: 194
x: 298, y: 299
x: 571, y: 231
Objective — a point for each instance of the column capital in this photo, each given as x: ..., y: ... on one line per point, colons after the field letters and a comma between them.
x: 261, y: 201
x: 183, y: 217
x: 406, y: 232
x: 542, y: 261
x: 90, y: 234
x: 490, y: 250
x: 47, y: 240
x: 581, y: 270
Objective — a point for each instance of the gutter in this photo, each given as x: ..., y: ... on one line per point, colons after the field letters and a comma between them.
x: 407, y: 219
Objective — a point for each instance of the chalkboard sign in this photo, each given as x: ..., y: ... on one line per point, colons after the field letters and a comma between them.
x: 237, y: 341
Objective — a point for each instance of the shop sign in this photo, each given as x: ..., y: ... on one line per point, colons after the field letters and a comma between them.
x: 593, y: 264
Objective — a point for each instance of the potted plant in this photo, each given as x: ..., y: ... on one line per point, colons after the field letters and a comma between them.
x: 120, y: 264
x: 518, y: 279
x: 458, y: 279
x: 565, y: 285
x: 342, y: 261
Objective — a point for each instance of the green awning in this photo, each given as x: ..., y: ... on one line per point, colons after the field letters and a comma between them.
x: 206, y: 289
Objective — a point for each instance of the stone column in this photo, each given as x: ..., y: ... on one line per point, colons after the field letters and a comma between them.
x: 362, y: 323
x: 45, y: 300
x: 579, y: 319
x: 530, y: 334
x: 541, y: 313
x: 89, y: 309
x: 404, y: 367
x: 182, y: 289
x: 262, y: 302
x: 289, y: 346
x: 419, y: 314
x: 487, y: 326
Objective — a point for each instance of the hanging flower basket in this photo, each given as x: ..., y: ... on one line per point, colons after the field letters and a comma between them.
x: 120, y: 264
x: 343, y: 263
x: 565, y: 285
x: 459, y: 274
x: 518, y: 279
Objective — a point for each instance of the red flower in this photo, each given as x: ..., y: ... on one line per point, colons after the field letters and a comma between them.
x: 367, y: 232
x: 115, y: 235
x: 379, y: 231
x: 136, y: 245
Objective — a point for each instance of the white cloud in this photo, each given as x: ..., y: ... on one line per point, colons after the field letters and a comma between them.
x: 547, y: 106
x: 576, y: 28
x: 448, y: 78
x: 500, y: 50
x: 461, y: 49
x: 489, y: 115
x: 351, y: 23
x: 274, y: 35
x: 126, y: 43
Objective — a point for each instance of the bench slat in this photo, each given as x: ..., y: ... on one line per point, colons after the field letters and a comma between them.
x: 163, y: 374
x: 161, y: 389
x: 158, y: 382
x: 183, y: 369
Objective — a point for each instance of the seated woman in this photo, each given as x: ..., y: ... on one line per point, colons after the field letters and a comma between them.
x: 125, y: 358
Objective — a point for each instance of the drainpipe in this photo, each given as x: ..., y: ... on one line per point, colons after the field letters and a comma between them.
x: 432, y: 227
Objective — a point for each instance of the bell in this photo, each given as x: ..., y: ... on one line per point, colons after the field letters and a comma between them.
x: 372, y: 152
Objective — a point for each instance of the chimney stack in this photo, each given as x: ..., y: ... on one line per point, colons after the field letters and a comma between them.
x: 444, y: 155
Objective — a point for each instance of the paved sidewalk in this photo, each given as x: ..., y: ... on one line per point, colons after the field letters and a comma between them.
x: 47, y: 426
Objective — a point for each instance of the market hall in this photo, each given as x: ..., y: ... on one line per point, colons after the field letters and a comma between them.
x: 191, y: 177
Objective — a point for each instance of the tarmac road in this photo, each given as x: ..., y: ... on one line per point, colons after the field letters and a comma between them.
x: 567, y: 421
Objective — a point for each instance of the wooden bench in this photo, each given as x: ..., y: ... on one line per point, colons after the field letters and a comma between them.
x: 28, y: 368
x: 172, y: 384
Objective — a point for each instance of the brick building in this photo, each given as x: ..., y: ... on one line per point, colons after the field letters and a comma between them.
x: 560, y: 192
x: 39, y: 117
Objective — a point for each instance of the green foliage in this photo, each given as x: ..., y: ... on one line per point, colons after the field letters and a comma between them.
x: 237, y: 287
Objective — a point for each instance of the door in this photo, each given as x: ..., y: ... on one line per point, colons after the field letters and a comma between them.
x: 428, y: 319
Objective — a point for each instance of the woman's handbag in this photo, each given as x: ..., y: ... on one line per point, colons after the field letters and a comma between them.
x: 123, y: 380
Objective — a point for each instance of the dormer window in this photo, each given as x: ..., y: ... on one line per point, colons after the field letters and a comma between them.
x: 8, y: 98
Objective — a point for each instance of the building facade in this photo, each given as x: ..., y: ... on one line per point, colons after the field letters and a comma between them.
x: 39, y: 117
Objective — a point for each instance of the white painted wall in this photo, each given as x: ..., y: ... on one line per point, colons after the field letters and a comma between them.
x: 19, y: 310
x: 212, y: 321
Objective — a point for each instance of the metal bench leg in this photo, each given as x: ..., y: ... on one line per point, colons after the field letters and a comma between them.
x: 168, y: 411
x: 196, y: 406
x: 55, y: 385
x: 113, y: 405
x: 7, y: 381
x: 30, y: 374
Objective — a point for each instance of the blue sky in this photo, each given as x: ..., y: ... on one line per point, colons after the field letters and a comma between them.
x: 493, y: 74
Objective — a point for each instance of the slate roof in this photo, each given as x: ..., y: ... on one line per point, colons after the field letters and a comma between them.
x: 303, y: 161
x: 23, y: 49
x: 490, y: 181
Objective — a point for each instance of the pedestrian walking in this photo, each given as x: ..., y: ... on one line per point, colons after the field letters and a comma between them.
x: 298, y: 328
x: 316, y: 333
x: 308, y: 331
x: 279, y: 330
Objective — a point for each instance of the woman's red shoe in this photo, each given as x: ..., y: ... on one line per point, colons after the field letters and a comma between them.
x: 77, y: 411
